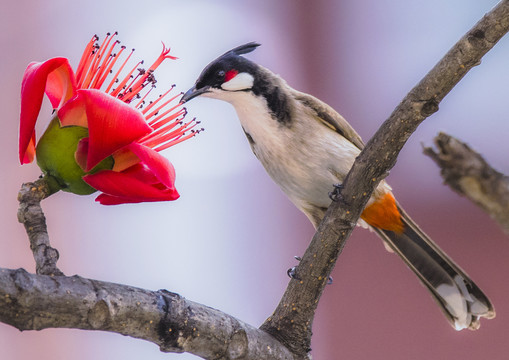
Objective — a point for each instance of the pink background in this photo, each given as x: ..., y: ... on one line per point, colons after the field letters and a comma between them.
x: 230, y: 238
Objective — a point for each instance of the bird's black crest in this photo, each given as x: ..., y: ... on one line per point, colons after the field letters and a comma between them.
x: 213, y: 74
x: 243, y: 49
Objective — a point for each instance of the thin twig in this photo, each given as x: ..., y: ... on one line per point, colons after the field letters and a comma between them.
x: 468, y: 174
x: 292, y: 320
x: 31, y: 216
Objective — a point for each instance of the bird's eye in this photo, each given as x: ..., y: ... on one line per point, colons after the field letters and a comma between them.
x: 220, y: 74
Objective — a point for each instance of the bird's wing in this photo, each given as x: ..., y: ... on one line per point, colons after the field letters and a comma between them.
x: 330, y: 117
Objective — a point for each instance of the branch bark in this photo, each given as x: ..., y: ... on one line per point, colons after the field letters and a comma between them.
x: 175, y: 324
x: 31, y: 216
x: 292, y: 320
x: 468, y: 174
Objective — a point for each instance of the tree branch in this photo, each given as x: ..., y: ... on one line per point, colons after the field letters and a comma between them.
x: 292, y: 320
x: 31, y: 216
x: 467, y: 173
x: 175, y: 324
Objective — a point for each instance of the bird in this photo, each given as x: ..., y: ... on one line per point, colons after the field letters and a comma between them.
x: 306, y: 147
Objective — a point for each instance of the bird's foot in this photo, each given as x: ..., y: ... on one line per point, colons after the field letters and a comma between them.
x: 335, y: 194
x: 292, y: 272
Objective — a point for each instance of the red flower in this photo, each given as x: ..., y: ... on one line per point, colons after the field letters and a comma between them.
x: 107, y: 140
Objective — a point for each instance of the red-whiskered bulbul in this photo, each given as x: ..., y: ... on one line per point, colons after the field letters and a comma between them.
x: 306, y: 147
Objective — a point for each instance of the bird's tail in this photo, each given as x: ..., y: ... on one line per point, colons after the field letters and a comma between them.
x: 461, y: 300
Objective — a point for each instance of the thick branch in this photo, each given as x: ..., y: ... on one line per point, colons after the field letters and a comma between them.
x: 31, y: 216
x: 175, y: 324
x: 467, y: 173
x: 292, y: 320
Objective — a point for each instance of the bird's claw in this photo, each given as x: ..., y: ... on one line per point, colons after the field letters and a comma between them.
x: 335, y: 194
x: 292, y: 272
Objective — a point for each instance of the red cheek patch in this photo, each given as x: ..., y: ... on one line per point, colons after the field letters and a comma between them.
x: 230, y: 74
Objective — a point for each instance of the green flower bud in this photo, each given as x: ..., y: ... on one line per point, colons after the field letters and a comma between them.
x: 55, y: 155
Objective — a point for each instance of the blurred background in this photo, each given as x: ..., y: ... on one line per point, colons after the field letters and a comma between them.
x: 228, y: 241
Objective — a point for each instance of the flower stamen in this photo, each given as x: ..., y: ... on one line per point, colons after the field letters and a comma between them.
x: 108, y: 57
x: 104, y: 55
x: 129, y: 92
x: 113, y: 59
x: 166, y: 120
x: 161, y: 121
x: 85, y: 58
x: 162, y: 135
x: 156, y: 111
x: 115, y: 77
x: 122, y: 85
x: 140, y: 103
x: 148, y: 75
x: 165, y: 126
x: 177, y: 141
x: 94, y: 67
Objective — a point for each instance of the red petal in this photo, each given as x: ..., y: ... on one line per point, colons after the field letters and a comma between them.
x: 112, y: 124
x: 104, y: 199
x: 123, y: 187
x: 61, y: 84
x: 74, y: 112
x: 56, y: 78
x: 81, y: 153
x: 142, y: 173
x: 29, y: 154
x: 158, y: 164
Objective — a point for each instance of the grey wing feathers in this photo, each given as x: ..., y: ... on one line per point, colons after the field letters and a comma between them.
x: 330, y: 118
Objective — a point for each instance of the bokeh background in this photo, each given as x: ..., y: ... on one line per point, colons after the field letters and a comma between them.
x: 231, y: 237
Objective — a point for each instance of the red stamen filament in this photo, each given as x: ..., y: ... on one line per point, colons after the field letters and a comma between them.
x: 108, y: 58
x: 108, y: 70
x: 153, y: 103
x: 136, y: 88
x: 161, y: 136
x: 159, y: 131
x: 85, y: 58
x: 86, y: 66
x: 115, y: 77
x: 140, y: 103
x: 176, y: 141
x: 129, y: 92
x: 122, y: 84
x: 158, y: 122
x: 92, y: 71
x: 156, y: 111
x: 105, y: 55
x: 166, y: 141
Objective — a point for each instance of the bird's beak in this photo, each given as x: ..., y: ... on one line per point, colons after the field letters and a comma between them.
x: 194, y: 92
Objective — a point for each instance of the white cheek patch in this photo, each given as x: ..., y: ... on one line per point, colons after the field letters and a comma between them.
x: 240, y: 81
